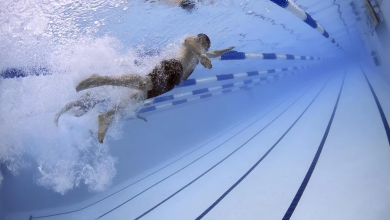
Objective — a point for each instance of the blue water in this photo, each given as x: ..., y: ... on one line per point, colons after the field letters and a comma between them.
x: 45, y: 167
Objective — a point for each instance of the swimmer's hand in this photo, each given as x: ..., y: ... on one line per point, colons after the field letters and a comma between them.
x: 230, y: 48
x: 205, y: 61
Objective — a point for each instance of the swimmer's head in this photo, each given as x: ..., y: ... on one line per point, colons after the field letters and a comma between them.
x: 204, y: 41
x: 188, y: 5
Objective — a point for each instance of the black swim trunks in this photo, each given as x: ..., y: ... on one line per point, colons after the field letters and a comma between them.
x: 165, y: 77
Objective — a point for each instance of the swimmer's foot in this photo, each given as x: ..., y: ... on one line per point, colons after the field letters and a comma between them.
x: 56, y: 118
x: 104, y: 123
x: 90, y: 82
x: 140, y: 117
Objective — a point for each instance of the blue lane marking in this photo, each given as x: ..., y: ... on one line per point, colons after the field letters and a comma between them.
x: 220, y: 78
x: 305, y: 181
x: 310, y: 21
x: 290, y: 57
x: 281, y: 3
x: 23, y: 72
x: 303, y: 58
x: 263, y: 78
x: 253, y: 73
x: 261, y: 159
x: 226, y: 86
x: 333, y: 41
x: 199, y: 91
x: 178, y: 102
x: 271, y: 71
x: 325, y: 34
x: 163, y: 98
x: 226, y: 91
x: 147, y: 109
x: 205, y: 96
x: 248, y: 81
x: 188, y: 82
x: 233, y: 55
x: 378, y: 104
x: 224, y: 77
x: 269, y: 56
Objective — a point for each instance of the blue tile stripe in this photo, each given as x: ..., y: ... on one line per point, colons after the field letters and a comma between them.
x: 297, y: 11
x: 305, y: 181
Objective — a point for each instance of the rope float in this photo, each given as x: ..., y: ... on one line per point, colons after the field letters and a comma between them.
x: 216, y: 78
x: 234, y: 55
x: 209, y: 92
x: 298, y: 12
x: 210, y: 89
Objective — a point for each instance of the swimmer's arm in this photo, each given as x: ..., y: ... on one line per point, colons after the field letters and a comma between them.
x: 217, y: 53
x: 190, y: 43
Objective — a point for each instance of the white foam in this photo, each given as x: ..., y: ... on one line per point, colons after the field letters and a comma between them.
x: 49, y: 34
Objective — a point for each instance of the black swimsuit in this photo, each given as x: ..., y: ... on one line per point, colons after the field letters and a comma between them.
x: 165, y: 77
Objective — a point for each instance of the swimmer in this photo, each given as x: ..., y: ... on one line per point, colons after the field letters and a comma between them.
x: 188, y: 5
x: 163, y: 78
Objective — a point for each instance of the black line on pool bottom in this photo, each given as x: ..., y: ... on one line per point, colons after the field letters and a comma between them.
x: 305, y: 181
x: 145, y: 213
x: 259, y: 161
x: 378, y: 104
x: 211, y: 149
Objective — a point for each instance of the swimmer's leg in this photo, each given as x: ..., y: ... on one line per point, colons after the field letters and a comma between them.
x: 126, y: 80
x: 104, y: 122
x: 65, y: 109
x: 105, y: 119
x: 84, y: 104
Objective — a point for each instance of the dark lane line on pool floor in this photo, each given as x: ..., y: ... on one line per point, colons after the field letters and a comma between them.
x: 106, y: 197
x: 232, y: 152
x: 260, y: 160
x: 305, y: 181
x: 380, y: 109
x: 210, y: 152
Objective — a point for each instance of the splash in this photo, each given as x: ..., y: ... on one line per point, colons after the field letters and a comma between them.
x: 62, y: 36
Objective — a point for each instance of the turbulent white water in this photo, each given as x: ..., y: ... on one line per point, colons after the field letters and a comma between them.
x: 62, y: 36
